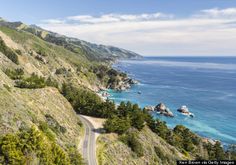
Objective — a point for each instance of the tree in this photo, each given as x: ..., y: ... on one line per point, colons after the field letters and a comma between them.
x: 137, y: 119
x: 107, y: 109
x: 219, y: 152
x: 117, y: 124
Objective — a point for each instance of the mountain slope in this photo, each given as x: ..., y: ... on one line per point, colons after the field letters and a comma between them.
x: 21, y: 109
x: 156, y: 151
x: 92, y: 51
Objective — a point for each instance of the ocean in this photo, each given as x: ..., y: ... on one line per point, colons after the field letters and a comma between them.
x: 206, y: 85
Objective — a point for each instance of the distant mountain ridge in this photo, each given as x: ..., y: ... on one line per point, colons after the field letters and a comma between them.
x: 92, y: 51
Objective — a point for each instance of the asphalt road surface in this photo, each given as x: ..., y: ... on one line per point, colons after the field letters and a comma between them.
x: 89, y: 142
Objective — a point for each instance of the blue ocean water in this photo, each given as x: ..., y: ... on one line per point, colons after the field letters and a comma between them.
x: 206, y: 85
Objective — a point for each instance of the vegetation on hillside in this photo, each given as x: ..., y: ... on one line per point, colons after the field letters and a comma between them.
x: 31, y: 146
x: 108, y: 76
x: 15, y: 74
x: 127, y: 116
x: 131, y: 140
x: 8, y: 52
x: 87, y: 102
x: 32, y: 82
x: 71, y: 62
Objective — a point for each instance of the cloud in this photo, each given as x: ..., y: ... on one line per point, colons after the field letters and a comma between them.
x: 53, y: 21
x: 228, y: 13
x: 110, y: 18
x: 208, y: 32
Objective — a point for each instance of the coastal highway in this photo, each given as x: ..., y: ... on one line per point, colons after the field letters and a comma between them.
x: 89, y: 142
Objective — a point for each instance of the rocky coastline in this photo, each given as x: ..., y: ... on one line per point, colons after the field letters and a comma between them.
x: 161, y: 109
x: 124, y: 84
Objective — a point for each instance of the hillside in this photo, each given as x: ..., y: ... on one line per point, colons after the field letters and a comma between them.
x: 92, y: 51
x: 111, y: 150
x: 20, y: 109
x: 33, y: 72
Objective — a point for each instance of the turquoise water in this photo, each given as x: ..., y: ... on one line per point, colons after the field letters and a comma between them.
x: 206, y: 85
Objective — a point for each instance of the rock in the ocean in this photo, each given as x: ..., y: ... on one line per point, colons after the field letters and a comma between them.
x: 160, y: 107
x: 163, y: 110
x: 149, y: 108
x: 184, y: 110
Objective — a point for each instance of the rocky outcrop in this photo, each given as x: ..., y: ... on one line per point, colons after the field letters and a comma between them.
x: 123, y: 84
x: 184, y: 110
x: 41, y: 58
x: 163, y: 110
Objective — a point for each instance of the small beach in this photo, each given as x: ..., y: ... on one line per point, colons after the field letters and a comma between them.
x: 206, y: 85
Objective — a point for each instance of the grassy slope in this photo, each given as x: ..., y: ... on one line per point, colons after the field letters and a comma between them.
x: 25, y: 107
x: 112, y: 151
x: 20, y: 108
x: 76, y: 65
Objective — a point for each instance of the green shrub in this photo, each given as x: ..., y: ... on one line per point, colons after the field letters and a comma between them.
x: 18, y: 51
x: 32, y: 82
x: 131, y: 140
x: 75, y: 156
x: 52, y: 83
x: 61, y: 71
x: 43, y: 126
x: 8, y: 52
x: 29, y: 146
x: 15, y: 74
x: 159, y: 153
x: 54, y: 125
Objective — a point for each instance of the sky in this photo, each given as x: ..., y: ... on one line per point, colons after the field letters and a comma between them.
x: 147, y: 27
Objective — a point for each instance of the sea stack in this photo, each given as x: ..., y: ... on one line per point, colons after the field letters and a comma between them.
x: 163, y: 110
x: 184, y: 110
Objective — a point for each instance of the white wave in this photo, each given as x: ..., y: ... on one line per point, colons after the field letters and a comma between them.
x: 193, y: 65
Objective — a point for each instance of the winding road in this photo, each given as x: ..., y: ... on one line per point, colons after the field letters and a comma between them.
x: 89, y: 142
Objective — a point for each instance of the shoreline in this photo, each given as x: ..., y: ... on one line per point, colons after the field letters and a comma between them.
x: 205, y: 137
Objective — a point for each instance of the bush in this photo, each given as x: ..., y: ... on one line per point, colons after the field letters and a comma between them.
x: 18, y: 51
x: 159, y: 153
x: 160, y: 128
x: 32, y: 82
x: 29, y: 146
x: 131, y: 140
x: 8, y: 52
x: 75, y: 157
x: 61, y: 71
x: 15, y: 74
x: 43, y: 126
x: 52, y: 83
x: 54, y: 125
